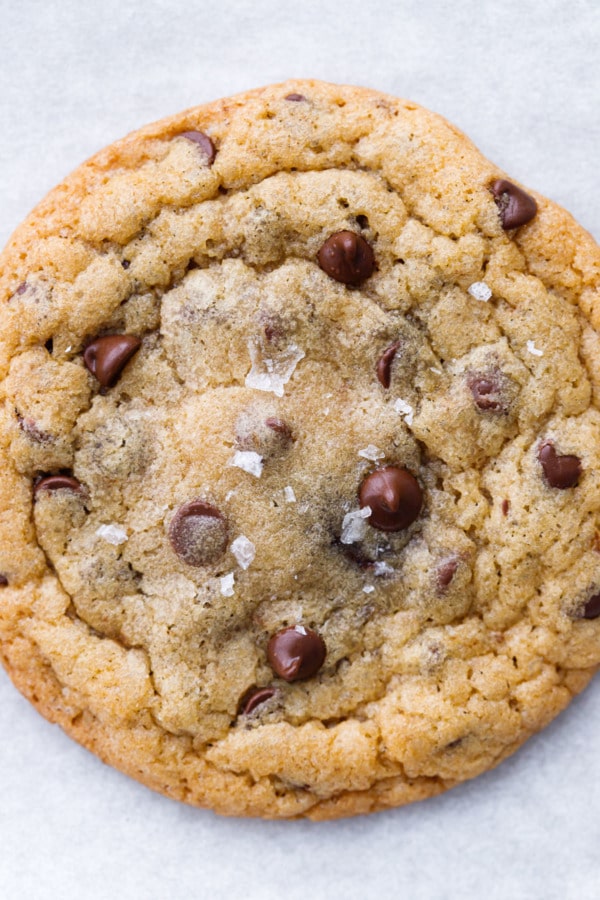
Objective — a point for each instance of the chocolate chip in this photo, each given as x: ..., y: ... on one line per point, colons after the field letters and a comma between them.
x: 295, y: 98
x: 515, y: 206
x: 384, y: 364
x: 204, y: 143
x: 591, y: 608
x: 485, y: 389
x: 198, y: 533
x: 29, y: 427
x: 57, y: 483
x: 394, y: 496
x: 446, y: 572
x: 296, y: 652
x: 3, y: 581
x: 505, y: 507
x: 559, y: 471
x: 347, y: 257
x: 106, y: 357
x: 254, y: 697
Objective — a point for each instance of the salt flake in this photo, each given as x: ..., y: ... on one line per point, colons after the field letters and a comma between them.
x: 243, y: 550
x: 382, y: 568
x: 405, y: 410
x: 371, y: 452
x: 480, y: 290
x: 368, y: 589
x: 269, y: 374
x: 114, y: 534
x: 288, y: 493
x: 227, y: 585
x: 354, y: 525
x: 249, y: 461
x: 533, y: 349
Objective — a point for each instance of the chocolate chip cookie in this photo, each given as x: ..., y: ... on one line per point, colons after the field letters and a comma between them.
x: 301, y: 442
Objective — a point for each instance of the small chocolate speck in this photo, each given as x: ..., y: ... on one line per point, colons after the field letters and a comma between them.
x: 295, y: 98
x: 22, y: 288
x: 125, y: 263
x: 3, y: 581
x: 505, y: 507
x: 485, y: 389
x: 30, y: 428
x: 446, y: 572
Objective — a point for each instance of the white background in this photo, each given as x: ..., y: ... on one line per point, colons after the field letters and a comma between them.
x: 523, y: 81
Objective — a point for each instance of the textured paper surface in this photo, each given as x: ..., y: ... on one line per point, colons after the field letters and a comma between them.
x: 523, y: 81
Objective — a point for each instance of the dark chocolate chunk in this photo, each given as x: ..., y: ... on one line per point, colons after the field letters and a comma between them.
x: 106, y: 357
x: 254, y: 697
x: 486, y: 388
x: 296, y: 652
x: 394, y: 496
x: 384, y: 364
x: 347, y: 257
x: 58, y: 483
x: 204, y: 143
x: 591, y: 608
x: 3, y: 581
x: 295, y: 98
x: 559, y: 471
x: 446, y: 572
x: 515, y: 206
x: 198, y: 533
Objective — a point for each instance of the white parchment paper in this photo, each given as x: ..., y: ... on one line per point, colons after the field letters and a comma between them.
x: 523, y: 81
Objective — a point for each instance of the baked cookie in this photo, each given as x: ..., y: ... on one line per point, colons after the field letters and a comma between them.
x: 302, y: 455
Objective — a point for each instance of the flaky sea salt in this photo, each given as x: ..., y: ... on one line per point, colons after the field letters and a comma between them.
x: 227, y: 585
x: 288, y: 493
x: 243, y: 550
x: 533, y: 349
x: 405, y: 410
x: 368, y: 589
x: 382, y: 568
x: 271, y: 373
x: 249, y: 461
x: 480, y: 290
x: 354, y: 525
x: 371, y: 452
x: 114, y: 534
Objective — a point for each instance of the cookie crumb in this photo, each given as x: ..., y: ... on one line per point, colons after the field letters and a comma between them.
x: 114, y: 534
x: 480, y: 290
x: 531, y: 348
x: 249, y: 461
x: 354, y: 525
x: 243, y: 550
x: 227, y: 585
x: 405, y: 409
x: 371, y: 452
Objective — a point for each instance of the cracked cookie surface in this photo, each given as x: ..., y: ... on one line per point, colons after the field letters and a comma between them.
x: 301, y: 443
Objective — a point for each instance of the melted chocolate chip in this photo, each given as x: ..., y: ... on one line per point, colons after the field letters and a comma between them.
x: 57, y: 483
x: 446, y: 572
x: 559, y: 471
x: 254, y: 697
x: 204, y: 143
x: 384, y: 364
x: 198, y: 533
x: 394, y: 496
x: 485, y: 389
x: 591, y: 608
x: 296, y: 652
x: 106, y: 357
x: 347, y: 257
x: 515, y: 206
x: 3, y: 581
x: 295, y: 98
